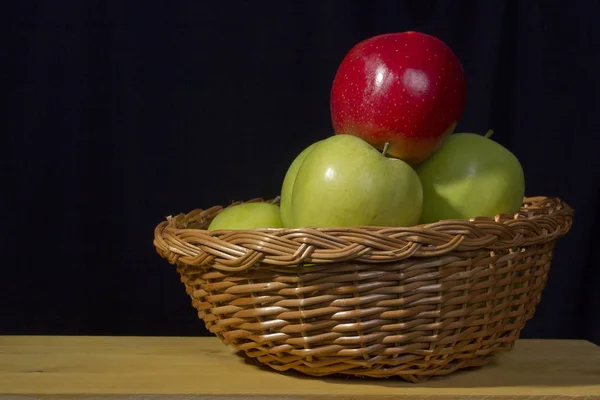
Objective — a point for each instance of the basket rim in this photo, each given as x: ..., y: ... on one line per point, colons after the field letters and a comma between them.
x: 184, y: 239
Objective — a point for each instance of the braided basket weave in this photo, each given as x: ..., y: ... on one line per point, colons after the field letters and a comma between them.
x: 369, y: 301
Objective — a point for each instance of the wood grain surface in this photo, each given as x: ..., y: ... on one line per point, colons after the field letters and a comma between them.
x: 175, y: 368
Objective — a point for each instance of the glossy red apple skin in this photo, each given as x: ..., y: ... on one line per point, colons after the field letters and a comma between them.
x: 405, y: 88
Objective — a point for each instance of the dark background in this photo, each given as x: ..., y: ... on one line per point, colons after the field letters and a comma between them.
x: 121, y: 113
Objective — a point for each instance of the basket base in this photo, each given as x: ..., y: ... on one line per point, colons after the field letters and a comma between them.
x: 366, y: 370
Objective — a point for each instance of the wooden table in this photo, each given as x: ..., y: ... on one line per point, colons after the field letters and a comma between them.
x: 59, y: 367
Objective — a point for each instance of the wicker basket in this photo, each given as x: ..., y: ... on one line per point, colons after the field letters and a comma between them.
x: 369, y: 301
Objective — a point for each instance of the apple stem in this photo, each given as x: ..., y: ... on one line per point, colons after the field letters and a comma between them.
x: 489, y: 133
x: 385, y: 149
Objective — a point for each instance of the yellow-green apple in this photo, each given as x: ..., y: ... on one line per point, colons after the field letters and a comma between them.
x: 470, y: 176
x: 247, y: 216
x: 344, y: 182
x: 285, y: 200
x: 405, y: 88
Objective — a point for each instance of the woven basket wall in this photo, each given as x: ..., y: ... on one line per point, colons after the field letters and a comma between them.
x: 370, y: 301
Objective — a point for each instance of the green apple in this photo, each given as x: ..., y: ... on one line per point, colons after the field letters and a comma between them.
x: 247, y: 216
x: 344, y: 182
x: 470, y: 176
x: 285, y: 200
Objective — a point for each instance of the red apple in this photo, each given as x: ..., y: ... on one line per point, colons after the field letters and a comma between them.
x: 404, y: 88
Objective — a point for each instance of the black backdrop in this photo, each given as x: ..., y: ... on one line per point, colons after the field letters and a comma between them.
x: 124, y: 112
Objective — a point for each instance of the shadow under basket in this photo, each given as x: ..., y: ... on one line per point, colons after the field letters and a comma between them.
x: 368, y: 301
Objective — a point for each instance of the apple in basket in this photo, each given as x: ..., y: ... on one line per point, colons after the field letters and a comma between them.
x: 344, y: 181
x: 406, y: 88
x: 247, y: 216
x: 470, y: 176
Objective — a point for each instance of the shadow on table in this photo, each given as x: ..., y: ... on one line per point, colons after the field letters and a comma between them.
x: 525, y: 374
